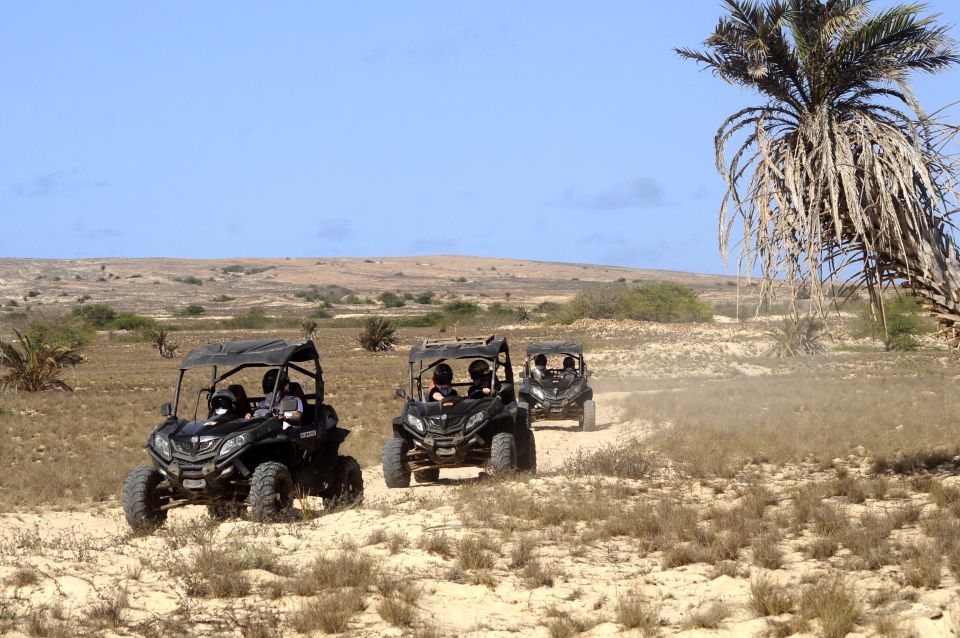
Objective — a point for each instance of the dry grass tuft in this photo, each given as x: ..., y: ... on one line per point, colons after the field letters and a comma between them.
x: 397, y: 612
x: 767, y: 552
x: 709, y: 617
x: 630, y: 460
x: 330, y: 612
x: 437, y: 544
x: 767, y: 598
x: 344, y: 570
x: 833, y: 602
x: 922, y: 567
x: 476, y: 552
x: 635, y: 613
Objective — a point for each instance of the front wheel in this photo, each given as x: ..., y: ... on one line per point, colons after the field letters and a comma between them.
x: 589, y: 420
x: 396, y: 471
x: 347, y: 487
x: 503, y: 454
x: 271, y: 491
x: 141, y: 499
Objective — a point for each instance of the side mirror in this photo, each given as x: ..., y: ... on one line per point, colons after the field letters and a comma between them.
x: 401, y: 393
x: 166, y: 410
x: 288, y: 404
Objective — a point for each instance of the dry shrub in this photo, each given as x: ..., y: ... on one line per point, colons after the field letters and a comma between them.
x: 23, y: 577
x: 833, y: 602
x: 437, y: 544
x: 522, y: 552
x: 708, y: 617
x: 635, y: 613
x: 767, y: 598
x: 214, y: 572
x: 476, y: 552
x: 347, y: 569
x: 630, y: 460
x: 397, y: 612
x: 922, y: 567
x: 109, y: 611
x: 330, y: 612
x: 822, y: 548
x: 767, y: 552
x: 535, y: 574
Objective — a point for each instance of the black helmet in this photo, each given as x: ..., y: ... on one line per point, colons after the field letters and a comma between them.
x: 443, y: 374
x: 540, y: 360
x: 223, y: 401
x: 270, y: 380
x: 569, y: 363
x: 478, y: 368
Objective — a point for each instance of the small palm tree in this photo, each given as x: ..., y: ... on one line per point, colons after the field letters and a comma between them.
x: 798, y: 336
x: 35, y: 364
x: 841, y: 167
x: 378, y: 335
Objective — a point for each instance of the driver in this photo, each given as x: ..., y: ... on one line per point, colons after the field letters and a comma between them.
x: 540, y: 367
x: 262, y: 409
x: 223, y: 406
x: 441, y: 386
x: 481, y: 377
x: 569, y: 369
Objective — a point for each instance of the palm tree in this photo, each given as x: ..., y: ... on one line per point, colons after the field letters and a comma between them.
x: 841, y: 168
x: 36, y: 364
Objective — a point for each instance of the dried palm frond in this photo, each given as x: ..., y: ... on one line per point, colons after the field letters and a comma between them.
x: 841, y: 168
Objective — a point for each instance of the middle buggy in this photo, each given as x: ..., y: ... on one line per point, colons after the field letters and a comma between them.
x: 558, y: 393
x: 477, y: 424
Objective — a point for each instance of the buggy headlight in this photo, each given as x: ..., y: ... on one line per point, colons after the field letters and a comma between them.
x: 476, y: 420
x: 162, y: 445
x: 233, y: 444
x: 537, y: 392
x: 415, y: 423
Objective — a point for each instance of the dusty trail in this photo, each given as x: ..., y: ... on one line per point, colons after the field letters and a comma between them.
x: 556, y: 441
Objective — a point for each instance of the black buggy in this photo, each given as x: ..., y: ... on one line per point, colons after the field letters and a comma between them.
x: 476, y: 430
x: 221, y: 458
x: 558, y: 394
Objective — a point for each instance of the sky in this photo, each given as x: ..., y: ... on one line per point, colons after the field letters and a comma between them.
x: 559, y: 131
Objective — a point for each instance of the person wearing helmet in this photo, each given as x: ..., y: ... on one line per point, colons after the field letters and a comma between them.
x: 540, y: 367
x: 569, y: 369
x: 275, y: 378
x: 480, y: 377
x: 441, y: 386
x: 223, y: 406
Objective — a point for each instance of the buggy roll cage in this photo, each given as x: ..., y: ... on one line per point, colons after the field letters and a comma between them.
x: 565, y: 348
x: 258, y: 353
x: 437, y: 351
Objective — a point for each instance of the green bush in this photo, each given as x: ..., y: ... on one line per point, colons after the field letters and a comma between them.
x: 95, y: 315
x: 499, y: 311
x: 906, y: 320
x: 461, y: 309
x: 329, y: 294
x: 129, y: 321
x: 251, y: 320
x: 321, y: 313
x: 193, y: 281
x: 392, y: 300
x: 378, y: 334
x: 424, y: 298
x: 193, y: 310
x: 427, y: 320
x: 663, y: 303
x: 222, y: 299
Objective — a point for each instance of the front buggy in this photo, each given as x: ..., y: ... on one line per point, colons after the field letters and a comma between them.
x: 484, y: 429
x: 244, y: 457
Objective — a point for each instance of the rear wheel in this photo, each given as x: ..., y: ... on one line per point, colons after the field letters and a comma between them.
x: 347, y: 487
x: 427, y: 476
x: 589, y: 420
x: 141, y: 499
x: 396, y: 471
x: 503, y: 453
x: 271, y: 491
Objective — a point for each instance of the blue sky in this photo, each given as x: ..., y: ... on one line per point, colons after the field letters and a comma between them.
x: 539, y: 130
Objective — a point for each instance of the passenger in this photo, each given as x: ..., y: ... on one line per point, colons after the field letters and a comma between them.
x: 540, y: 367
x: 481, y: 378
x: 569, y: 369
x: 441, y: 386
x: 262, y: 409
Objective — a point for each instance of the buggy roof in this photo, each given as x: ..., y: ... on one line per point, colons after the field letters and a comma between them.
x: 554, y: 347
x: 266, y: 352
x: 459, y: 348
